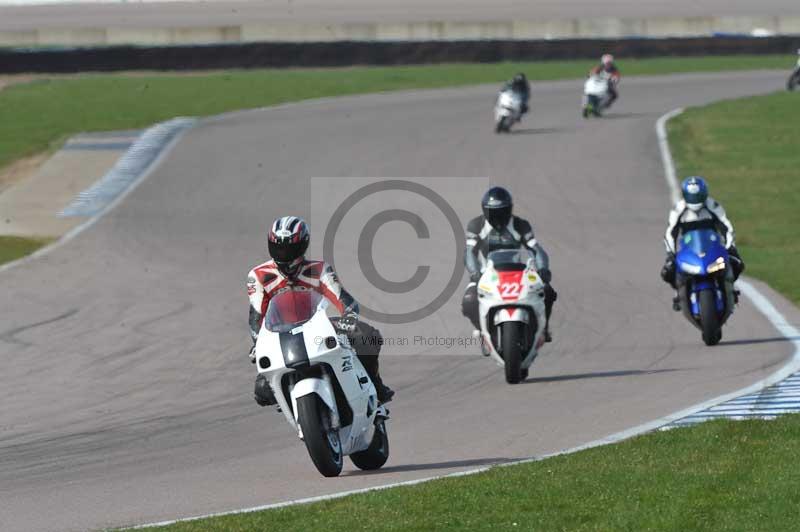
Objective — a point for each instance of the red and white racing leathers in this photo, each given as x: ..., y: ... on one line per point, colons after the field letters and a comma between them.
x: 265, y: 281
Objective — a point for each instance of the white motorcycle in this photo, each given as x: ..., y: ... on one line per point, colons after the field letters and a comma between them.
x: 320, y: 385
x: 512, y: 311
x: 507, y: 110
x: 794, y: 78
x: 596, y: 97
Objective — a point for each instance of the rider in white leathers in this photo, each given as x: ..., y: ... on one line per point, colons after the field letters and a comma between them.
x: 697, y: 210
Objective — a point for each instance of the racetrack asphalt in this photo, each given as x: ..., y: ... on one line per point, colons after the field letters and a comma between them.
x: 125, y: 389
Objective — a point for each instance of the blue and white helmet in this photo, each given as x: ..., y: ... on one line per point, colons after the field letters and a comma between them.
x: 695, y: 192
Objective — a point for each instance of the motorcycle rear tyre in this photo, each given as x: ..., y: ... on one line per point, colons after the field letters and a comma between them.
x: 374, y: 456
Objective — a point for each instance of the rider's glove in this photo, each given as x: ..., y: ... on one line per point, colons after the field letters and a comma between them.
x: 348, y: 323
x: 252, y: 354
x: 475, y: 277
x: 545, y: 274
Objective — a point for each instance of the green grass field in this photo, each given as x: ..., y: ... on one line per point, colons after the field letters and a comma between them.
x: 14, y: 247
x: 718, y: 476
x: 749, y: 150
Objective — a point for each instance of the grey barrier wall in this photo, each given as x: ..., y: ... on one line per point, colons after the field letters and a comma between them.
x: 348, y: 53
x: 138, y: 23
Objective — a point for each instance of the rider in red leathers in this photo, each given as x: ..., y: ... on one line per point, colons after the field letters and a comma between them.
x: 289, y: 270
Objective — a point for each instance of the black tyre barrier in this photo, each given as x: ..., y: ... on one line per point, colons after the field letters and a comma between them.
x: 349, y: 53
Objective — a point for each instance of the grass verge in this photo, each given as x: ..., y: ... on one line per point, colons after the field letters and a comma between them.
x: 15, y: 247
x: 748, y: 150
x: 721, y: 475
x: 38, y: 115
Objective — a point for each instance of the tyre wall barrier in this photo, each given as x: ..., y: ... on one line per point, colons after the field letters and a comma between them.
x: 348, y: 53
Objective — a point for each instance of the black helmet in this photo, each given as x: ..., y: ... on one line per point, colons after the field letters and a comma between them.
x: 519, y: 78
x: 496, y: 205
x: 287, y: 243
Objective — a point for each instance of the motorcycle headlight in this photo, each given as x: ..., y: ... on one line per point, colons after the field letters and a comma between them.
x: 718, y: 265
x: 691, y: 269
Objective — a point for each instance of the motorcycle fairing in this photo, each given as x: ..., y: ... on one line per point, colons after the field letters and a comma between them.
x: 315, y: 374
x: 293, y: 347
x: 703, y: 264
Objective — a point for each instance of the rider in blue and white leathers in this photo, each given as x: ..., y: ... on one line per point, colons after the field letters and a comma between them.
x: 697, y: 210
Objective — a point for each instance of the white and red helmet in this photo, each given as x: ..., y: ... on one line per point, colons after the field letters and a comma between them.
x: 287, y: 243
x: 607, y: 59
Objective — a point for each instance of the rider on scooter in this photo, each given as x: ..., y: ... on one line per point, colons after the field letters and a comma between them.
x: 288, y: 241
x: 697, y: 210
x: 608, y: 67
x: 497, y: 229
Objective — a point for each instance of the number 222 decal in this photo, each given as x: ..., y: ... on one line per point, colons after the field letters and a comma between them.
x: 509, y: 290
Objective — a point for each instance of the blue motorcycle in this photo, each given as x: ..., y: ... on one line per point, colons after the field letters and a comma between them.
x: 705, y: 282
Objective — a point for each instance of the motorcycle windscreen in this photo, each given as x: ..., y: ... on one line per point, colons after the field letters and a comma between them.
x: 291, y: 309
x: 510, y: 259
x: 704, y: 244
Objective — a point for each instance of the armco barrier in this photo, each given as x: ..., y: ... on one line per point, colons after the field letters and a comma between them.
x: 347, y: 53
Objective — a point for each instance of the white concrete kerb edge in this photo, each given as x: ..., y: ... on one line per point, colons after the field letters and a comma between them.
x: 666, y: 154
x: 761, y: 302
x: 181, y: 129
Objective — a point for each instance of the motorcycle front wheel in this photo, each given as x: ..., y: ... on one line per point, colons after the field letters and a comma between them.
x: 511, y: 340
x: 709, y: 319
x: 322, y: 441
x: 502, y: 125
x: 794, y: 79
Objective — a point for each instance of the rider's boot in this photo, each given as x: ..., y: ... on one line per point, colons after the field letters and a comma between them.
x: 385, y: 394
x: 476, y: 334
x: 676, y: 303
x: 370, y: 363
x: 550, y: 297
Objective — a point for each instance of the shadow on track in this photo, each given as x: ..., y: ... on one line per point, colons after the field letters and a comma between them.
x: 433, y: 466
x: 540, y: 130
x: 599, y: 375
x: 754, y: 341
x: 620, y: 116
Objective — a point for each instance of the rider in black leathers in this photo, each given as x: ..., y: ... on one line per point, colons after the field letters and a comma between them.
x: 519, y: 84
x: 497, y: 229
